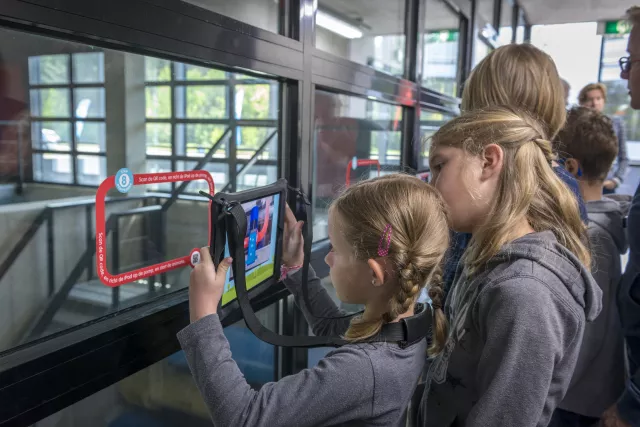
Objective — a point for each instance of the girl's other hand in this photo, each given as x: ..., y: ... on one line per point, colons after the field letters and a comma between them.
x: 206, y: 286
x: 293, y: 242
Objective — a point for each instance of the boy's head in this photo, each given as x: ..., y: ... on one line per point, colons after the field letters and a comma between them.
x: 588, y: 145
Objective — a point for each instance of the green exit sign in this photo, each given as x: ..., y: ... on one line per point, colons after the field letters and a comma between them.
x: 617, y: 27
x: 442, y: 36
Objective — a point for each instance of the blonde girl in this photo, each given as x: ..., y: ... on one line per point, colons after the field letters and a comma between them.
x: 524, y: 76
x: 524, y: 292
x: 389, y: 236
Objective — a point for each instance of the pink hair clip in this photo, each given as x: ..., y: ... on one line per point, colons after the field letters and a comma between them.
x: 385, y: 241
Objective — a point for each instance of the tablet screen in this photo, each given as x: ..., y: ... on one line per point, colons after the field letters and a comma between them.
x: 259, y: 244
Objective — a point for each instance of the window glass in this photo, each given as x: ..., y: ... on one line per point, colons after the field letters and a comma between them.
x: 49, y: 69
x: 506, y: 16
x: 90, y: 137
x: 158, y: 101
x: 355, y: 139
x: 520, y: 29
x: 165, y: 394
x: 232, y: 114
x: 89, y: 102
x: 485, y: 12
x: 79, y: 114
x: 441, y: 48
x: 53, y: 136
x: 259, y: 13
x: 51, y: 102
x: 52, y: 167
x: 65, y: 118
x: 430, y: 122
x: 91, y: 169
x: 88, y: 67
x: 205, y: 102
x: 157, y: 70
x: 367, y: 32
x: 481, y: 49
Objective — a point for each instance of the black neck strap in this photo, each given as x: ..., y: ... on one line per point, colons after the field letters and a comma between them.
x: 229, y: 219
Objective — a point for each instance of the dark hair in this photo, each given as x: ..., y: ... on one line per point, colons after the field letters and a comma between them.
x: 588, y: 137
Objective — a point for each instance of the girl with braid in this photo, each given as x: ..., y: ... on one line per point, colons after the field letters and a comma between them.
x: 389, y: 236
x: 523, y: 291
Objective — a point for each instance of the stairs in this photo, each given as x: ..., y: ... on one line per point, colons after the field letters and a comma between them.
x: 88, y: 301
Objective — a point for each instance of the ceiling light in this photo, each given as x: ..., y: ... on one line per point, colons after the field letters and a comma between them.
x: 337, y: 26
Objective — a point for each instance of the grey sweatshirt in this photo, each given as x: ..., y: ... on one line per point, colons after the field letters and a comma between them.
x: 598, y: 379
x: 355, y: 385
x: 516, y: 329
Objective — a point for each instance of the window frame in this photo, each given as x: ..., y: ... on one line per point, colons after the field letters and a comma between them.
x: 180, y: 32
x: 70, y: 87
x: 178, y: 122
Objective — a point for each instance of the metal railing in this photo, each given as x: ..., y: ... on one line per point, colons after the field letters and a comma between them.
x: 86, y: 263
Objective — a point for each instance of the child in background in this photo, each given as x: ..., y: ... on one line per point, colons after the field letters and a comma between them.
x: 388, y: 237
x: 588, y: 146
x: 520, y: 302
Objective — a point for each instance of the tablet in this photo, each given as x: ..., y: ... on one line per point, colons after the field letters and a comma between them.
x: 264, y: 210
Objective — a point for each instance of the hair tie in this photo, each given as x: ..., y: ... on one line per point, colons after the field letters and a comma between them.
x: 385, y: 241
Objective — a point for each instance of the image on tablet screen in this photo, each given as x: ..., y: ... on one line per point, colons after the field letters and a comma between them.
x: 259, y: 244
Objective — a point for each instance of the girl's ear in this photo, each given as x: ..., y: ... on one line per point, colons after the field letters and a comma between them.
x: 493, y: 159
x: 377, y: 271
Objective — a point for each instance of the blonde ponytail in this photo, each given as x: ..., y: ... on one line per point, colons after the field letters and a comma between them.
x: 528, y: 186
x: 417, y: 215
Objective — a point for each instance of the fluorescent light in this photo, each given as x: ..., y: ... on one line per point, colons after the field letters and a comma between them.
x: 337, y: 26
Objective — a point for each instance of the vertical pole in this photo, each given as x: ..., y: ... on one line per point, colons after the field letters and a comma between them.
x: 50, y: 253
x: 163, y: 244
x: 601, y: 58
x: 89, y: 239
x: 20, y: 160
x: 115, y: 257
x: 515, y: 18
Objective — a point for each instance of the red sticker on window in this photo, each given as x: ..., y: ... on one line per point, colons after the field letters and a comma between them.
x: 124, y: 185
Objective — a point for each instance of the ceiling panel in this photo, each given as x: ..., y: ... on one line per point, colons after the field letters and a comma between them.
x: 568, y: 11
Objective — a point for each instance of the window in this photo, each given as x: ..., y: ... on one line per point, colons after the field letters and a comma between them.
x: 67, y: 106
x: 369, y: 33
x: 192, y: 110
x: 505, y: 32
x: 617, y: 104
x: 441, y: 48
x: 520, y: 28
x: 355, y: 139
x: 165, y: 394
x: 430, y: 122
x: 481, y: 49
x: 485, y: 12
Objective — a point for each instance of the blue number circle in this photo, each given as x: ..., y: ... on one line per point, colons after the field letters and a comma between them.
x: 124, y: 180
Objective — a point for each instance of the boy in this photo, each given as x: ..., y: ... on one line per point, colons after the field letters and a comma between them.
x: 588, y: 146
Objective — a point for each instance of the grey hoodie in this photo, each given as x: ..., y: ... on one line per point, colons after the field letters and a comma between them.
x: 598, y: 379
x: 516, y: 329
x: 354, y: 385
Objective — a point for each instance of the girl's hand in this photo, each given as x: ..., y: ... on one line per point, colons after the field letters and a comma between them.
x: 292, y: 241
x: 206, y: 286
x: 611, y: 418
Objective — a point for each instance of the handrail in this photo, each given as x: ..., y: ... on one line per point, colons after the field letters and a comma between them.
x: 43, y: 216
x: 92, y: 201
x: 252, y: 160
x: 176, y: 193
x: 23, y: 242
